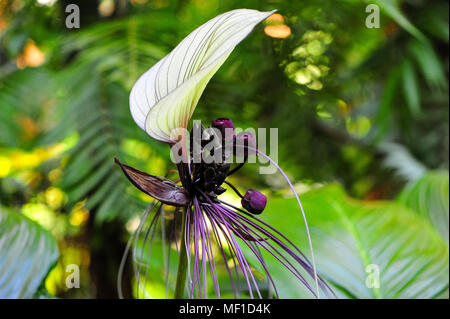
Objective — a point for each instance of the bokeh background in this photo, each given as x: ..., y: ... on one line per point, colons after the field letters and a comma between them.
x: 363, y: 118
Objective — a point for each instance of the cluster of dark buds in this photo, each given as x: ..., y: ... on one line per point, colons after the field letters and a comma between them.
x: 208, y: 232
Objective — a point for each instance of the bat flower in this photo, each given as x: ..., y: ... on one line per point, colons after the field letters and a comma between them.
x: 206, y: 231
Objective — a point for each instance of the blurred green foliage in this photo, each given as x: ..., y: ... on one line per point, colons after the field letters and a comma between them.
x: 354, y: 239
x: 28, y: 253
x: 366, y: 108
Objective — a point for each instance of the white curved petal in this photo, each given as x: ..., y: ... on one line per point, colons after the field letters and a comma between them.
x: 141, y: 101
x: 165, y: 96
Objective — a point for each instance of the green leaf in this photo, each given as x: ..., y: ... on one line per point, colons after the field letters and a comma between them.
x: 17, y: 106
x: 89, y: 171
x: 385, y: 110
x: 411, y: 87
x: 429, y: 197
x: 391, y: 8
x: 27, y: 253
x: 429, y: 63
x: 351, y: 236
x: 42, y: 293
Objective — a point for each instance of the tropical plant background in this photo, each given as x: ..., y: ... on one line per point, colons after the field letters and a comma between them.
x: 363, y: 120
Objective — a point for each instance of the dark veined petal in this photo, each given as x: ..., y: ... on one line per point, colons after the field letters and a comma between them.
x: 162, y: 189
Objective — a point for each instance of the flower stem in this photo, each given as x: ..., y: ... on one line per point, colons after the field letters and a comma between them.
x: 182, y: 262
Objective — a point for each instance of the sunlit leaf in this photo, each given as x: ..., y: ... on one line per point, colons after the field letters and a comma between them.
x: 27, y: 253
x: 429, y: 197
x: 353, y: 239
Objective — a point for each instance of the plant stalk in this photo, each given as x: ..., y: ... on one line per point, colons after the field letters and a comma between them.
x: 182, y: 262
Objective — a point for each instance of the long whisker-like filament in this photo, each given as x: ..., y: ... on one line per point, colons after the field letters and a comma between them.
x: 316, y: 280
x: 135, y: 234
x: 150, y: 231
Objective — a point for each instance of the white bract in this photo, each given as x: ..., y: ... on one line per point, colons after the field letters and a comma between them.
x: 164, y: 97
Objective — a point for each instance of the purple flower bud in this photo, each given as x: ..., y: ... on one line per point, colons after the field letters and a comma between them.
x: 254, y: 202
x: 225, y: 126
x: 244, y: 140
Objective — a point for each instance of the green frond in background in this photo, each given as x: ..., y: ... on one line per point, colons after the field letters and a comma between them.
x: 428, y: 197
x: 27, y: 251
x: 359, y: 111
x: 354, y: 238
